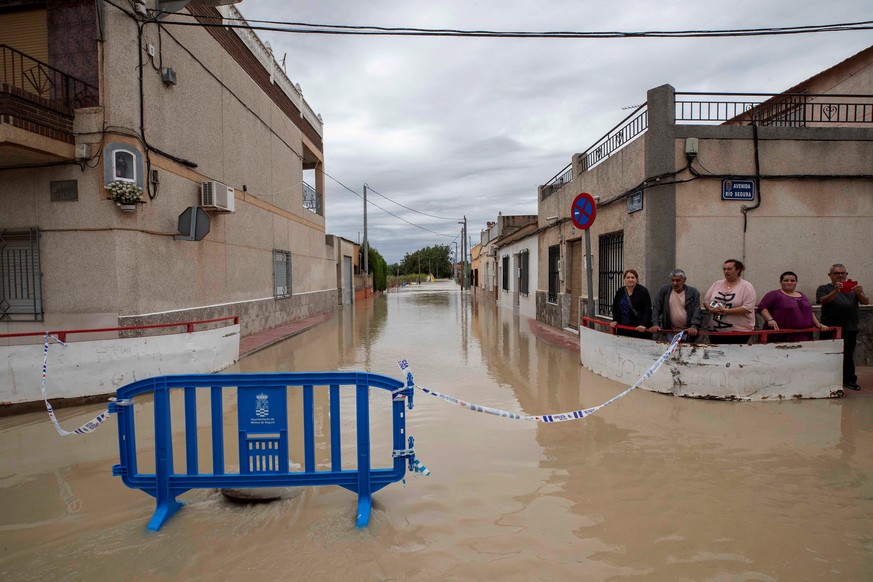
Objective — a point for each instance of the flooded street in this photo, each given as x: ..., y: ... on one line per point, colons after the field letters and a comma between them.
x: 652, y: 487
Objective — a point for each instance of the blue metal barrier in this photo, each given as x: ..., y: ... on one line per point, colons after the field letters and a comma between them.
x: 262, y: 416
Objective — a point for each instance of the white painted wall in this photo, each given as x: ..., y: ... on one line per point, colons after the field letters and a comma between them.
x: 99, y: 367
x: 526, y: 302
x: 728, y: 372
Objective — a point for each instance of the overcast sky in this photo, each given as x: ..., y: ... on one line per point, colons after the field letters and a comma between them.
x: 458, y: 126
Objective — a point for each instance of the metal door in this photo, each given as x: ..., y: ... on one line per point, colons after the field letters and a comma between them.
x: 348, y: 293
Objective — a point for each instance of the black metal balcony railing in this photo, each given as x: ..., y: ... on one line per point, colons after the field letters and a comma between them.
x: 19, y: 71
x: 565, y: 176
x: 770, y: 109
x: 774, y: 109
x: 312, y: 199
x: 616, y: 138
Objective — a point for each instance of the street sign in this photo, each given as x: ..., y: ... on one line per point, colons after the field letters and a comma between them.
x: 584, y: 211
x: 738, y: 190
x: 635, y: 202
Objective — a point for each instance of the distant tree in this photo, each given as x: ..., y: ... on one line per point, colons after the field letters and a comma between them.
x: 433, y: 259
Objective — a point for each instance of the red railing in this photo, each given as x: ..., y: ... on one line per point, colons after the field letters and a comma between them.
x: 762, y: 334
x: 62, y: 334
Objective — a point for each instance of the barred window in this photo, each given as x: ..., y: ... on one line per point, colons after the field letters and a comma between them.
x: 610, y: 269
x: 523, y: 272
x: 20, y: 275
x: 505, y: 272
x: 281, y: 274
x: 554, y: 274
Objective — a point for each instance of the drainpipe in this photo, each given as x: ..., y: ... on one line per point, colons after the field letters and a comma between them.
x: 746, y: 209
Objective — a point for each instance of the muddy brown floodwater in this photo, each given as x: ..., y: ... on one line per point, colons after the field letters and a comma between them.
x: 652, y: 487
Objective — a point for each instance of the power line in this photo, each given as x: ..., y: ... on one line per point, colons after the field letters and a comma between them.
x: 340, y: 29
x: 410, y: 209
x: 383, y: 209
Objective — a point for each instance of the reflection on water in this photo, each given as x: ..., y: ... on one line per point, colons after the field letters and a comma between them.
x: 650, y: 488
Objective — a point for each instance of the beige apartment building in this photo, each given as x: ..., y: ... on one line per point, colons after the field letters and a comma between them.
x: 204, y: 121
x: 781, y: 182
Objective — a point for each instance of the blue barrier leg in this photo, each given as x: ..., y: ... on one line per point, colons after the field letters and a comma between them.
x: 365, y: 502
x: 167, y: 504
x: 164, y: 511
x: 365, y: 487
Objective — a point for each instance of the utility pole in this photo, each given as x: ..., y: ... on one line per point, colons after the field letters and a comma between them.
x: 466, y: 251
x: 464, y: 283
x: 366, y: 249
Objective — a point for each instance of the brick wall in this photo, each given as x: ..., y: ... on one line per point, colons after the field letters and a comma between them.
x: 36, y: 114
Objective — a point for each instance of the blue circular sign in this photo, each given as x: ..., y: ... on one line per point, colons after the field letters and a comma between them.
x: 584, y: 211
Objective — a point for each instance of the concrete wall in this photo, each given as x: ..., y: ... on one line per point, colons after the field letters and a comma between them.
x: 803, y: 224
x: 99, y: 263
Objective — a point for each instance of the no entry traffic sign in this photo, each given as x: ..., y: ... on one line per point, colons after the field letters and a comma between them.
x: 583, y: 211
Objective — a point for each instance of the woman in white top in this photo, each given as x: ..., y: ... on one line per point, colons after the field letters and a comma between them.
x: 731, y: 301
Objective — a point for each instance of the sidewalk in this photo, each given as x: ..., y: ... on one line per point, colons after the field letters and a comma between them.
x: 258, y: 341
x: 554, y: 336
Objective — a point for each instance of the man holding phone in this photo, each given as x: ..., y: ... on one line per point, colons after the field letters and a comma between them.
x: 840, y: 301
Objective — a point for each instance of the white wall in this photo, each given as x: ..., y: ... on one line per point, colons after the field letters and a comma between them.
x: 526, y: 302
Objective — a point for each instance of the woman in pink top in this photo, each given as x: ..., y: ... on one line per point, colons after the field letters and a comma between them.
x: 731, y: 301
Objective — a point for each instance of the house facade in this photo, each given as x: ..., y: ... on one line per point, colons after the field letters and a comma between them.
x: 781, y: 182
x: 516, y: 257
x: 206, y: 123
x: 489, y: 261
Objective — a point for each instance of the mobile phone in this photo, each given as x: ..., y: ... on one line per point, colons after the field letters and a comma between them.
x: 848, y: 285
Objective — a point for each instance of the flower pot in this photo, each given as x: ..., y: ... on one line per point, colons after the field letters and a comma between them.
x: 126, y: 207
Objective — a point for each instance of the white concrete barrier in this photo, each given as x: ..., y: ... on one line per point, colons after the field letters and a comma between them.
x: 89, y: 368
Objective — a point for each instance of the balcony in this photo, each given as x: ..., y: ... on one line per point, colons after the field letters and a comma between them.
x: 312, y: 199
x: 37, y: 106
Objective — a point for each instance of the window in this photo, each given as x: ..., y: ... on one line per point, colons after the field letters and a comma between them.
x: 505, y: 266
x: 523, y: 272
x: 281, y: 274
x: 610, y: 269
x: 20, y: 275
x: 554, y: 275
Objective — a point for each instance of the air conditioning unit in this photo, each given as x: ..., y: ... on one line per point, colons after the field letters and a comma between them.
x: 215, y: 195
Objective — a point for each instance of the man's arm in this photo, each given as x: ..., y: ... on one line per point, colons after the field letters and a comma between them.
x: 859, y: 293
x: 823, y: 296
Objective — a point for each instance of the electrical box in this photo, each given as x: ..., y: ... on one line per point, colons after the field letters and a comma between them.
x: 691, y: 146
x: 168, y: 76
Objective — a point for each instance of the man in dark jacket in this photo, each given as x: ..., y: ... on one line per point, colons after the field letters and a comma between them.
x: 677, y: 306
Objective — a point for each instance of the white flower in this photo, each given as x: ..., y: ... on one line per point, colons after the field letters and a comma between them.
x: 124, y: 192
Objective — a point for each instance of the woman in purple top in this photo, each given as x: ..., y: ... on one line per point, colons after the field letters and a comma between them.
x: 787, y: 308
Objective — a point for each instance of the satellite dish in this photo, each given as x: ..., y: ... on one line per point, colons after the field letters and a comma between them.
x: 193, y: 224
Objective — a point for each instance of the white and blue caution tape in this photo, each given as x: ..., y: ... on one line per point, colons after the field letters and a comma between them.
x: 559, y: 417
x: 89, y: 426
